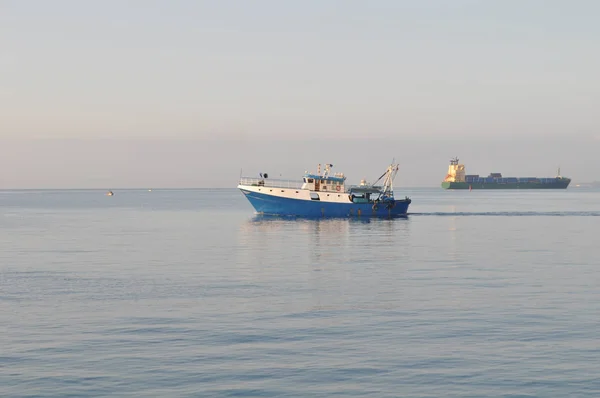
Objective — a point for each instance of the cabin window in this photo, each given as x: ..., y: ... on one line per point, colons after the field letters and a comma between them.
x: 324, y: 188
x: 296, y: 191
x: 310, y: 180
x: 282, y: 190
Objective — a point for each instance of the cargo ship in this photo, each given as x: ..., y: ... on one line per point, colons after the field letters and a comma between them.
x: 457, y: 179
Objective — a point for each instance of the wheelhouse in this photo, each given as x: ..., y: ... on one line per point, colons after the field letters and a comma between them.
x: 324, y: 182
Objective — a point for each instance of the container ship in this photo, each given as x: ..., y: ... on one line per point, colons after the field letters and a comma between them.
x: 457, y: 179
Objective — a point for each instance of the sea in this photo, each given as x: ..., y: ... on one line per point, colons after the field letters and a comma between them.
x: 188, y: 293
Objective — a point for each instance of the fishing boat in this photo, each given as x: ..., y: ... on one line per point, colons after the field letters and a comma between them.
x: 110, y: 193
x: 324, y: 195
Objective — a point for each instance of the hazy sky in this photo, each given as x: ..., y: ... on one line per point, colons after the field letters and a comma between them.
x: 185, y: 93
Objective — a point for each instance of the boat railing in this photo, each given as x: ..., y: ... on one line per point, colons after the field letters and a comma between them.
x: 273, y: 183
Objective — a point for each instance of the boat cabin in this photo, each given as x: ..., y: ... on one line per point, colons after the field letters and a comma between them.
x: 324, y: 182
x: 318, y: 183
x: 365, y: 194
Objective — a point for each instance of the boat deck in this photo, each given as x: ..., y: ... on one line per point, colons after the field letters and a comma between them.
x: 271, y: 183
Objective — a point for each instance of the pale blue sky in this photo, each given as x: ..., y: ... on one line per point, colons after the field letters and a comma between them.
x: 220, y: 80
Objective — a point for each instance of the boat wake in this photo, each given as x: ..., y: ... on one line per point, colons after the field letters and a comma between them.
x: 514, y: 214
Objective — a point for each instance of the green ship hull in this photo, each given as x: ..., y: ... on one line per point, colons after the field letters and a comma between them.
x: 560, y: 183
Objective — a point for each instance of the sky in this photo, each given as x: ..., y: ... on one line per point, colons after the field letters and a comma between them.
x: 187, y: 93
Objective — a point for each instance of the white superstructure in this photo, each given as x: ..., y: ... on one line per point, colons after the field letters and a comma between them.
x: 456, y: 172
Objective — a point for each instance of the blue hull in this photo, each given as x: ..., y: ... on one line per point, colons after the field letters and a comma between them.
x: 274, y: 205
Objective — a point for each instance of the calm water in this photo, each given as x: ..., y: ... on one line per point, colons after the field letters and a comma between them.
x: 186, y: 293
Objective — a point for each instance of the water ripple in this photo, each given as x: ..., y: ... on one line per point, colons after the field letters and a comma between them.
x: 188, y: 294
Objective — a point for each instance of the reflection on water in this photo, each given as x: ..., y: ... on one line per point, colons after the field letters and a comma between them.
x: 321, y: 229
x: 453, y: 239
x: 322, y: 243
x: 362, y: 220
x: 330, y: 257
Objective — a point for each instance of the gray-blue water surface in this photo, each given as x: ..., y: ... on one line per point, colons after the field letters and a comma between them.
x: 185, y: 293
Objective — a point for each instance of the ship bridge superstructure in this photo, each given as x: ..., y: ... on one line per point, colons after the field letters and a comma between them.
x: 325, y: 182
x: 456, y: 171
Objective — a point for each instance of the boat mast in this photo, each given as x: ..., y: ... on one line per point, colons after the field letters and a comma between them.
x: 388, y: 183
